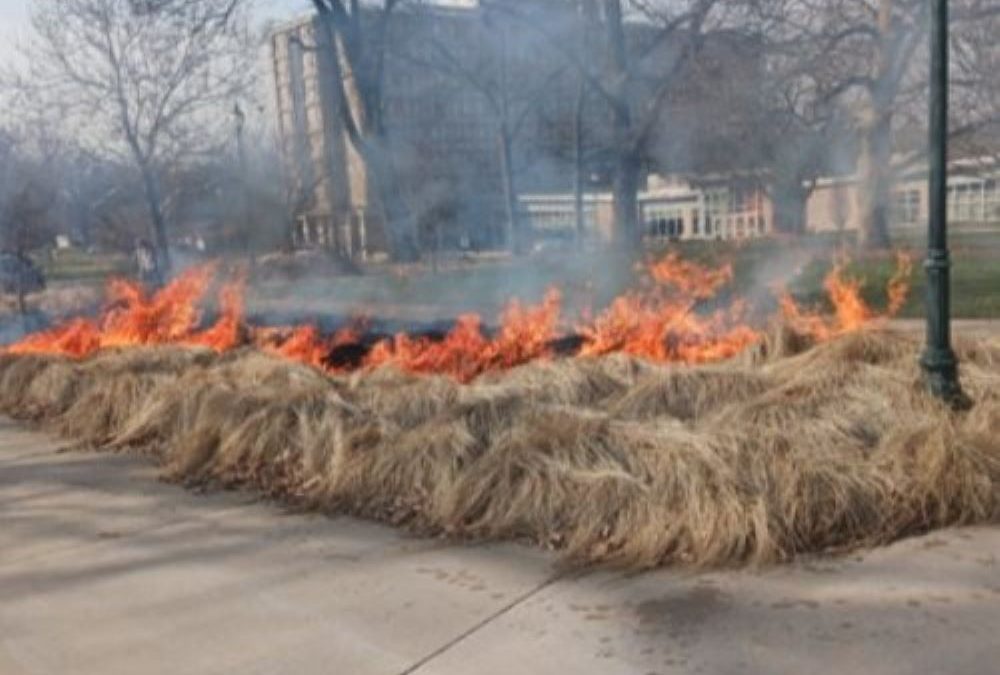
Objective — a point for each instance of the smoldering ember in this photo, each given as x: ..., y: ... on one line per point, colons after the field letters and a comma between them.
x: 600, y: 331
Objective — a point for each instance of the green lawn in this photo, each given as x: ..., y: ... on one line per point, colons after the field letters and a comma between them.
x: 975, y: 271
x: 975, y: 280
x: 591, y: 279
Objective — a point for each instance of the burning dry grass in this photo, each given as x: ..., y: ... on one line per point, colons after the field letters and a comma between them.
x: 664, y: 319
x: 610, y: 460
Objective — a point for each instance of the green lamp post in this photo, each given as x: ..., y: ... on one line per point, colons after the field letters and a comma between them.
x: 939, y: 362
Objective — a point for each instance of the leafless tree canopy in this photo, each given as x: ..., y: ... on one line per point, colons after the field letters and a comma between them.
x: 868, y: 59
x: 143, y: 80
x: 358, y: 32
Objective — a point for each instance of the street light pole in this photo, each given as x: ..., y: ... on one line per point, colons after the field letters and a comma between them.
x: 939, y: 362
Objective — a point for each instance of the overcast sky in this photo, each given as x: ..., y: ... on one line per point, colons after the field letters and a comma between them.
x: 14, y: 17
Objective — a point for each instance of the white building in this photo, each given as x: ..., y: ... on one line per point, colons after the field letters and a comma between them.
x: 671, y: 208
x: 738, y: 207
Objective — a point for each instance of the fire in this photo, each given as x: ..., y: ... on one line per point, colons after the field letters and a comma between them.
x: 526, y: 333
x: 689, y: 278
x: 228, y: 329
x: 304, y: 344
x: 899, y: 284
x: 77, y: 337
x: 851, y: 312
x: 130, y: 318
x: 665, y: 319
x: 662, y: 322
x: 460, y: 353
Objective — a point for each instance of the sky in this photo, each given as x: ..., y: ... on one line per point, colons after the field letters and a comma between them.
x: 15, y: 25
x: 14, y: 17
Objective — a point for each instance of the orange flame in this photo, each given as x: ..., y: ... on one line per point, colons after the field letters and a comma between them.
x: 305, y: 344
x: 227, y: 331
x: 689, y: 278
x: 898, y: 289
x: 662, y: 321
x: 851, y: 312
x: 526, y: 333
x: 130, y: 318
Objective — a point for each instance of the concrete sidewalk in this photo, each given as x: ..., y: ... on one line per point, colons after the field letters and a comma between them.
x: 103, y: 570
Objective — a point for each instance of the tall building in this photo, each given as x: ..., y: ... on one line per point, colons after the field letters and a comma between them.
x: 328, y: 191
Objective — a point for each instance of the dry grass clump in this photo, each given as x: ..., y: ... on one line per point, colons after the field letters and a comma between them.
x: 37, y: 387
x: 610, y: 460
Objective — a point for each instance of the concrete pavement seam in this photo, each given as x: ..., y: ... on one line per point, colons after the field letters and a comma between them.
x: 482, y: 624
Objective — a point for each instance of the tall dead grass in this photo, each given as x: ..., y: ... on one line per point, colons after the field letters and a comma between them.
x: 611, y: 460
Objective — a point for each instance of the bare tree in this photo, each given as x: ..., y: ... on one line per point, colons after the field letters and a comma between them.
x: 586, y: 22
x: 147, y: 81
x: 802, y: 129
x: 895, y: 33
x: 510, y: 72
x: 642, y: 50
x: 871, y: 57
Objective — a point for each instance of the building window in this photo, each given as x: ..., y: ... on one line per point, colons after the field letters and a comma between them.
x: 965, y: 202
x: 906, y: 207
x: 991, y: 201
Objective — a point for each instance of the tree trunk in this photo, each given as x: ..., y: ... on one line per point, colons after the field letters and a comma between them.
x: 514, y: 236
x: 578, y: 163
x: 288, y: 238
x: 790, y: 202
x: 400, y: 226
x: 436, y: 253
x: 22, y: 299
x: 154, y: 202
x: 627, y: 233
x: 83, y: 229
x: 875, y: 153
x: 875, y: 181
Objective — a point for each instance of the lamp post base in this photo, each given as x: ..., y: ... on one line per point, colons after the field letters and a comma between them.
x: 941, y: 376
